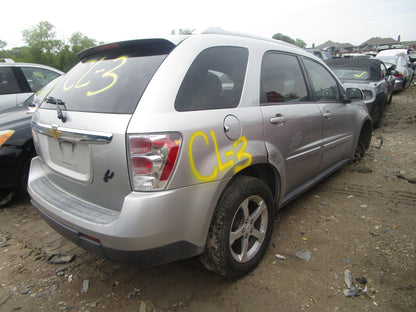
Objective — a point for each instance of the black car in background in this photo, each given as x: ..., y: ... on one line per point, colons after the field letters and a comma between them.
x: 372, y: 77
x: 16, y: 144
x: 16, y: 150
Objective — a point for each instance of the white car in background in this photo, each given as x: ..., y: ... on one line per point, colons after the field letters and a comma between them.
x: 18, y: 81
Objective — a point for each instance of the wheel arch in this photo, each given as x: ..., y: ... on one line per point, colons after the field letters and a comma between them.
x: 269, y: 175
x: 365, y: 134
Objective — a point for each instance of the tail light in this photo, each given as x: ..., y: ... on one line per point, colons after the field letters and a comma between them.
x: 397, y: 74
x: 4, y: 135
x: 152, y: 159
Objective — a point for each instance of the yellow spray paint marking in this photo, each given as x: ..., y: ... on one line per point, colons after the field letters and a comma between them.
x: 85, y: 80
x: 237, y: 153
x: 199, y: 176
x: 360, y: 75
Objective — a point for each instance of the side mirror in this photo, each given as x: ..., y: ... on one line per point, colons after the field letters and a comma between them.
x: 354, y: 94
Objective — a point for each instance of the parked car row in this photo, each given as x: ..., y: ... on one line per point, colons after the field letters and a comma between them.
x: 372, y: 77
x: 403, y: 71
x: 401, y: 63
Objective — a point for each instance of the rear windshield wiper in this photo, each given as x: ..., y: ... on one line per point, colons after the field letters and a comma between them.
x: 57, y: 102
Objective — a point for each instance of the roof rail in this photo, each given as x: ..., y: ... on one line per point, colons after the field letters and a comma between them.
x: 6, y: 60
x: 221, y: 31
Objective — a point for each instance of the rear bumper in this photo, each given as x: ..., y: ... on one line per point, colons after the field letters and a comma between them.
x: 144, y: 258
x: 398, y: 84
x: 151, y: 227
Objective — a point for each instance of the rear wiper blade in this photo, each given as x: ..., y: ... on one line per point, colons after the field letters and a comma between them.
x: 52, y: 100
x: 57, y: 102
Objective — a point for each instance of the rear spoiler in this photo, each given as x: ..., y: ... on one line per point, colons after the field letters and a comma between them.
x: 140, y: 47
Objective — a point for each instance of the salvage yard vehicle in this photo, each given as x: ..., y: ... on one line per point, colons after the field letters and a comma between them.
x: 403, y: 72
x: 155, y: 150
x: 18, y: 81
x: 372, y: 77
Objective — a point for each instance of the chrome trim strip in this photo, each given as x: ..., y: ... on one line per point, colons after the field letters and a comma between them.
x: 72, y: 135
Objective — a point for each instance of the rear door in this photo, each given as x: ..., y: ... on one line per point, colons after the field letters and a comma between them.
x: 292, y: 121
x: 338, y: 117
x: 81, y: 126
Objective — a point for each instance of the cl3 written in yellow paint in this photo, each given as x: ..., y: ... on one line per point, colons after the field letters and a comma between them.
x: 106, y: 74
x: 224, y: 162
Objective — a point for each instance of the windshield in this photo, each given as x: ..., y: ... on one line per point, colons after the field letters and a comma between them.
x: 103, y: 84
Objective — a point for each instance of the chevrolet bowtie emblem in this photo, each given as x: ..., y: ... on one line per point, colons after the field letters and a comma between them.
x: 55, y: 133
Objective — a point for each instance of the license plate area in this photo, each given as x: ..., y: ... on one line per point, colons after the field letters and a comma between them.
x: 70, y: 158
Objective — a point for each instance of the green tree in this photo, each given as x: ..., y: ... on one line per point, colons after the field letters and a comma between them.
x: 298, y: 42
x: 3, y: 44
x: 67, y: 56
x: 79, y: 42
x: 42, y: 43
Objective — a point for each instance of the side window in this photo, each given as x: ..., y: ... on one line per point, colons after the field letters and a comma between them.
x: 215, y: 80
x: 8, y: 82
x: 38, y: 77
x: 281, y: 79
x: 325, y: 86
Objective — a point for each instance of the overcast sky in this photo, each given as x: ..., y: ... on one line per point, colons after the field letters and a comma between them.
x: 313, y: 21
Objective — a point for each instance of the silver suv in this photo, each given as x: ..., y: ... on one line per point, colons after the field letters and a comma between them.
x: 160, y: 149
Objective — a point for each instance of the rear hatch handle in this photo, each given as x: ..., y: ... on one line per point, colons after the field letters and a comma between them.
x: 72, y: 135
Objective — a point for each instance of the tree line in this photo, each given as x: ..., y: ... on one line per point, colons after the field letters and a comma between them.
x: 43, y: 47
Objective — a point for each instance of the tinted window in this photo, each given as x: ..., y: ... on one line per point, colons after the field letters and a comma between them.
x: 106, y: 85
x: 38, y: 77
x: 8, y: 82
x: 282, y: 79
x: 325, y: 86
x: 215, y: 80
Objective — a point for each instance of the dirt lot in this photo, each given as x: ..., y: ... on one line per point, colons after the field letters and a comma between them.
x: 361, y: 219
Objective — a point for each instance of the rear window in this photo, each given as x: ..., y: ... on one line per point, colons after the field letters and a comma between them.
x: 214, y: 81
x: 351, y: 73
x: 106, y: 84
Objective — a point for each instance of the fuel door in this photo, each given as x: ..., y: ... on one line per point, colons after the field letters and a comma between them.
x: 232, y: 127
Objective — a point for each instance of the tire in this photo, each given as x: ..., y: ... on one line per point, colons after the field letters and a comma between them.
x: 390, y: 99
x: 6, y: 196
x: 359, y: 151
x: 241, y: 228
x: 378, y: 113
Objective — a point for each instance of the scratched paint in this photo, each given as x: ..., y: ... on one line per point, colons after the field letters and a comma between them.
x: 236, y: 154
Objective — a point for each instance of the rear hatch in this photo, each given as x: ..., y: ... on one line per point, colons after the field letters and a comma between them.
x: 80, y: 128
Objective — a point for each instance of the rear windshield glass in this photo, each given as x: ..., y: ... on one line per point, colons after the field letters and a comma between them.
x: 106, y: 84
x: 351, y: 73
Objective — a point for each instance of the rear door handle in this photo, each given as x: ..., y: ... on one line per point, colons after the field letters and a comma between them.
x: 278, y: 120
